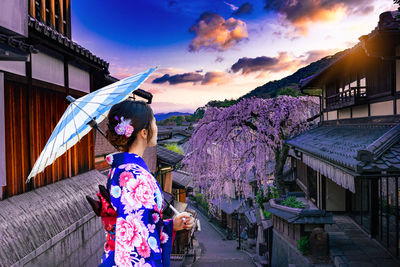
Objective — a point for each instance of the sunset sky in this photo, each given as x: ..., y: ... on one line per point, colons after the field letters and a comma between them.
x: 214, y: 49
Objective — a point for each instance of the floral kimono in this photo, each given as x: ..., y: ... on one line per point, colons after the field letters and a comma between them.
x: 138, y: 236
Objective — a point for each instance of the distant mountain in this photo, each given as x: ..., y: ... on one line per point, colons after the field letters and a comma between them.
x: 270, y: 89
x: 163, y: 116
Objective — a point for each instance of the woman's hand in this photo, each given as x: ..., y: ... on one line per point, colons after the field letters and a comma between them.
x: 183, y: 220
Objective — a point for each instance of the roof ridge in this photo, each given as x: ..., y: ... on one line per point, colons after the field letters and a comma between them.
x: 373, y: 151
x: 68, y: 43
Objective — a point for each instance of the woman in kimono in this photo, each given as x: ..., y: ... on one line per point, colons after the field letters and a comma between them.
x: 136, y: 233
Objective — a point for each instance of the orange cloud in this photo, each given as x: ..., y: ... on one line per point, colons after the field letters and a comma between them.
x: 283, y: 62
x: 302, y: 14
x: 215, y: 77
x: 215, y: 33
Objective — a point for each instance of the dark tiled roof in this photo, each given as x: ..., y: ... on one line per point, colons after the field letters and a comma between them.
x: 73, y: 47
x: 389, y: 161
x: 387, y: 23
x: 18, y: 45
x: 304, y: 217
x: 340, y: 145
x: 167, y: 156
x: 182, y: 178
x: 228, y: 205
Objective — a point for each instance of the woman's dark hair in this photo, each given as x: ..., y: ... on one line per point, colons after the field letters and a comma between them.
x: 140, y: 115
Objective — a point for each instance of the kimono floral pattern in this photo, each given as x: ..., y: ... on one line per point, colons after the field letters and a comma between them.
x: 142, y: 237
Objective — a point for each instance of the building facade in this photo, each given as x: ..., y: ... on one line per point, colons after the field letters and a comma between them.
x: 39, y: 66
x: 351, y: 161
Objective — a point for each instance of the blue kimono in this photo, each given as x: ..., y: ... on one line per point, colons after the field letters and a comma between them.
x: 139, y: 236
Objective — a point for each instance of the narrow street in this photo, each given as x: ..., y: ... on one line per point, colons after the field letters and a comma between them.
x: 216, y: 251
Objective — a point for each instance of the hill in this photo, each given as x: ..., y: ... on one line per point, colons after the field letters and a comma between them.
x: 163, y: 116
x: 271, y: 89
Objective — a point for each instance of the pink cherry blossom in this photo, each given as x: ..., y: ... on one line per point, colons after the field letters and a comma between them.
x: 143, y: 249
x: 124, y: 177
x: 228, y: 144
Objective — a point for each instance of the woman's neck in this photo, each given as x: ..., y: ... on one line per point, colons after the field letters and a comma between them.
x: 138, y: 148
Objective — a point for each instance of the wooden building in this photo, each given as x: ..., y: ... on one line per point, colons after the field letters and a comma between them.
x: 39, y: 66
x: 351, y: 161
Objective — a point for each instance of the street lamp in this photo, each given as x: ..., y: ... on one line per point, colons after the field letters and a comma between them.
x: 238, y: 222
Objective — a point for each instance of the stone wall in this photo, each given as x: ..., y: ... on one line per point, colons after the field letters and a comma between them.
x: 284, y: 253
x: 53, y: 225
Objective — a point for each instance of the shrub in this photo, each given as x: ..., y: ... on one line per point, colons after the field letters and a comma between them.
x: 267, y: 214
x: 292, y: 202
x: 272, y: 192
x: 303, y: 245
x: 174, y: 147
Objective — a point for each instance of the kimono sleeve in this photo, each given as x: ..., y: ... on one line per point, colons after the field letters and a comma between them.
x: 133, y: 198
x: 167, y: 239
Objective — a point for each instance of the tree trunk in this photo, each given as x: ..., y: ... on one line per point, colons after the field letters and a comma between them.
x: 280, y: 159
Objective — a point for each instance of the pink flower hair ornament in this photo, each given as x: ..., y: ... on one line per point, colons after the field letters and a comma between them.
x: 124, y: 127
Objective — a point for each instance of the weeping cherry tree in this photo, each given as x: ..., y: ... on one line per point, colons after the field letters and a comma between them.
x: 227, y: 143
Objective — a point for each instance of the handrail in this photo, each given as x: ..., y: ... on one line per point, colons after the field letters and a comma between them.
x: 352, y: 89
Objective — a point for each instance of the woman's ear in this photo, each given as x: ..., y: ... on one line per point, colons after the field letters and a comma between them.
x: 143, y: 133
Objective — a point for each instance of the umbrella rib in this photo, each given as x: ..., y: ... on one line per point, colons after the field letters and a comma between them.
x: 76, y: 129
x: 90, y: 102
x: 115, y: 93
x: 69, y: 111
x: 90, y: 117
x: 40, y: 163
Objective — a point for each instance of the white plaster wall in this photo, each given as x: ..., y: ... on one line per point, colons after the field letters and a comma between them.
x: 78, y: 79
x: 344, y: 113
x: 335, y: 196
x: 360, y: 111
x: 47, y: 68
x: 325, y: 116
x: 16, y: 67
x: 2, y: 137
x: 397, y: 106
x: 382, y: 108
x: 14, y: 16
x: 332, y: 115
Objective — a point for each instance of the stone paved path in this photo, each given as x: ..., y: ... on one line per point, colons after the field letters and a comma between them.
x: 351, y: 247
x: 216, y: 251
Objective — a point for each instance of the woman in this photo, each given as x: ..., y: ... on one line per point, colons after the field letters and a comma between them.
x: 139, y: 236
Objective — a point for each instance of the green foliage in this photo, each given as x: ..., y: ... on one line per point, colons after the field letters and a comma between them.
x: 270, y: 89
x: 260, y: 199
x: 222, y: 104
x: 292, y: 202
x: 313, y: 92
x: 267, y: 214
x: 289, y: 91
x: 174, y: 147
x: 272, y: 192
x: 199, y: 113
x: 201, y: 201
x: 303, y: 245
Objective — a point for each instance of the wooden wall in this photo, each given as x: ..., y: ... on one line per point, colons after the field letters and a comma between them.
x: 30, y: 117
